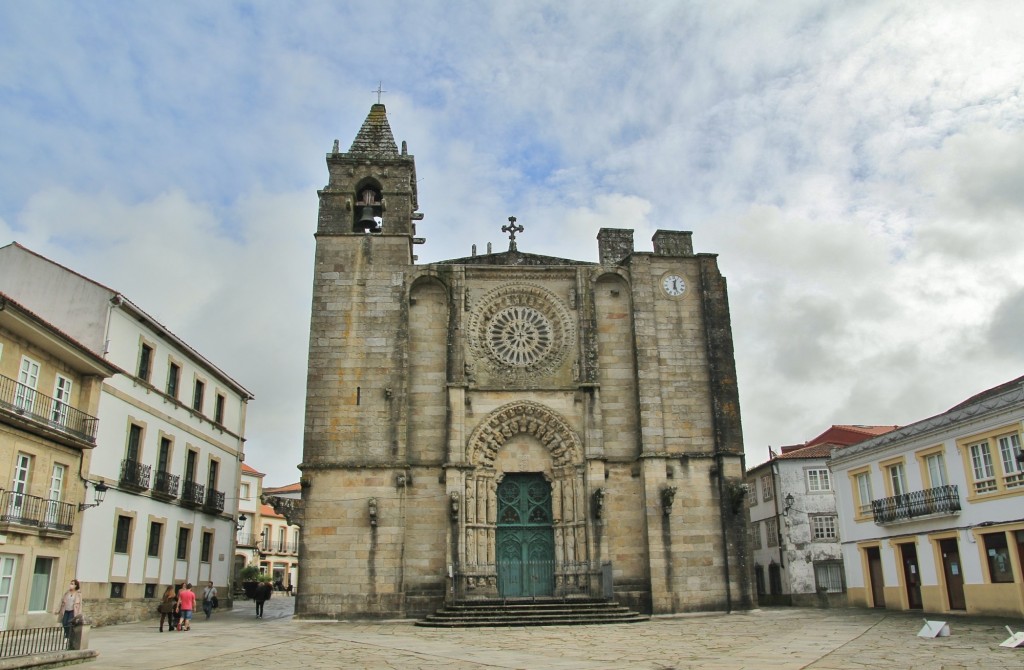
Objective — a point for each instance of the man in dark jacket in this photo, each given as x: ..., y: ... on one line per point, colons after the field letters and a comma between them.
x: 263, y: 592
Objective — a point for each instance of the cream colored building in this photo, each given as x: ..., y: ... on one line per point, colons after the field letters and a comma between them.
x: 49, y: 396
x: 931, y: 513
x: 512, y: 425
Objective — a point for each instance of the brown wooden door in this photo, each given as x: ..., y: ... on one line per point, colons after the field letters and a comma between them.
x: 875, y: 573
x: 953, y: 572
x: 911, y: 575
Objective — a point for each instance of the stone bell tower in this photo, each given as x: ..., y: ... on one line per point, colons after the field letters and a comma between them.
x: 354, y: 427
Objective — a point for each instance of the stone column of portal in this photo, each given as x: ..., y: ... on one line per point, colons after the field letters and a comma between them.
x: 471, y: 521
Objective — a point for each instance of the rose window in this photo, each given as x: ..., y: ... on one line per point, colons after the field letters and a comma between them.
x: 519, y: 336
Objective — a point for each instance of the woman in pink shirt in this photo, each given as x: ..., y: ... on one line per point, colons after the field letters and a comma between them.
x: 186, y: 603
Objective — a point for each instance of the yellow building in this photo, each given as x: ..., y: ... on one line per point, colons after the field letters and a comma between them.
x: 49, y: 395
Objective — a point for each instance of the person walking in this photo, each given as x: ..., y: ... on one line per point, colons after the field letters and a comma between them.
x: 168, y: 603
x: 209, y: 599
x: 186, y: 603
x: 70, y: 607
x: 263, y: 592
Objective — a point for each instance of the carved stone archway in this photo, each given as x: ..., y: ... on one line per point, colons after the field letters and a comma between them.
x: 565, y: 473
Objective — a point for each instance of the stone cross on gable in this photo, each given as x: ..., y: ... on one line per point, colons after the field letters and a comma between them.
x: 511, y: 229
x: 379, y: 90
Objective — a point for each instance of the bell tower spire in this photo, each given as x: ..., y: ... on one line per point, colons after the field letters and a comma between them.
x: 371, y: 189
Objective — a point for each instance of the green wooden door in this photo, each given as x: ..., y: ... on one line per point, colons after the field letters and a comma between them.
x: 526, y: 546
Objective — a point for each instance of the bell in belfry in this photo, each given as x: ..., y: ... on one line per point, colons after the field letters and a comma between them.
x: 366, y: 222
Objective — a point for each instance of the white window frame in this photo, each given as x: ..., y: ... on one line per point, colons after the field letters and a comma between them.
x: 755, y: 535
x: 936, y: 466
x: 829, y: 577
x: 61, y: 399
x: 819, y: 480
x: 982, y: 468
x: 824, y: 528
x: 864, y: 491
x: 767, y: 487
x: 56, y: 493
x: 28, y: 381
x: 897, y: 475
x: 771, y: 527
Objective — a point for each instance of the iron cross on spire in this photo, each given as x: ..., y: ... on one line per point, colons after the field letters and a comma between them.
x: 511, y: 229
x: 379, y: 90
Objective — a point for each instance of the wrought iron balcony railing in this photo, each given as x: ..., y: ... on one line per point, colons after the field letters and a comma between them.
x: 25, y: 510
x: 57, y: 414
x: 908, y: 506
x: 193, y: 494
x: 166, y: 484
x: 214, y: 500
x: 135, y: 474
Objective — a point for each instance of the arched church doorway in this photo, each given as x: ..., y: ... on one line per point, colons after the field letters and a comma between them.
x: 525, y: 536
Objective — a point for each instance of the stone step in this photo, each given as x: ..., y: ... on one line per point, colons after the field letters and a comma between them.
x: 469, y: 614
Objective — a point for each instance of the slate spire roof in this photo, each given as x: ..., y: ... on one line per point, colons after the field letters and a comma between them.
x: 374, y: 138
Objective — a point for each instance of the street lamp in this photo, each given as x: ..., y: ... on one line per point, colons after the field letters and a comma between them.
x: 240, y: 524
x: 99, y: 494
x: 789, y: 504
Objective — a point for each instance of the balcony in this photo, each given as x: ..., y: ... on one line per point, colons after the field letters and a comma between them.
x: 192, y: 494
x: 41, y: 409
x: 22, y: 509
x: 165, y: 484
x: 938, y: 501
x: 214, y: 501
x: 134, y: 475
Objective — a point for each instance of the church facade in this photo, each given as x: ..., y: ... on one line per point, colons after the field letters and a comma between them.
x: 512, y: 425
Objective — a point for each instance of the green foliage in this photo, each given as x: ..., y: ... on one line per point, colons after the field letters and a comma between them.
x: 251, y: 573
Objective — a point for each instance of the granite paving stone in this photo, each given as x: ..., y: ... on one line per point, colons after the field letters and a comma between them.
x: 766, y: 639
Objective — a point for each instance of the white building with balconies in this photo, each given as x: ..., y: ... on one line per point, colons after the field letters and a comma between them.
x: 169, y: 446
x: 931, y: 513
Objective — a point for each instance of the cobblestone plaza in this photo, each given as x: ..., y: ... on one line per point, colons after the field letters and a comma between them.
x: 769, y: 639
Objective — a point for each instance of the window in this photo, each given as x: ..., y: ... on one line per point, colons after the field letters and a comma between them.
x: 936, y: 466
x: 864, y: 492
x: 1013, y: 472
x: 771, y: 529
x: 823, y: 528
x: 182, y: 552
x: 164, y: 457
x: 766, y: 487
x: 28, y: 379
x: 211, y: 477
x: 243, y: 491
x: 53, y: 516
x: 150, y: 591
x: 145, y: 362
x: 828, y: 576
x: 61, y: 400
x: 818, y: 480
x: 22, y: 468
x: 117, y: 589
x: 190, y: 466
x: 999, y: 568
x: 897, y: 478
x: 122, y: 534
x: 281, y: 541
x: 752, y: 493
x: 197, y: 396
x: 218, y: 409
x: 755, y: 535
x: 206, y: 549
x: 134, y: 442
x: 41, y: 576
x: 173, y: 379
x: 156, y: 531
x: 981, y: 467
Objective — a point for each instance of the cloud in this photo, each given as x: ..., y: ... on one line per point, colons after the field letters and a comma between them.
x: 857, y: 167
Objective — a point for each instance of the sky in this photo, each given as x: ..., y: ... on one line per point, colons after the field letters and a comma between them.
x: 858, y: 167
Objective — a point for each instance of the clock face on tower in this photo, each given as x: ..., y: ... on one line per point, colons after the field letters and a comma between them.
x: 674, y: 285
